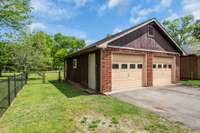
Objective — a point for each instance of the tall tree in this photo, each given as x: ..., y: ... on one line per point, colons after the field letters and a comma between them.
x: 181, y: 29
x: 14, y: 16
x: 42, y: 42
x: 64, y: 45
x: 6, y: 56
x: 196, y: 32
x: 32, y: 53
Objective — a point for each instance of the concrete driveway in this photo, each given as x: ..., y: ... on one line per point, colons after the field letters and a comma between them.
x: 176, y: 103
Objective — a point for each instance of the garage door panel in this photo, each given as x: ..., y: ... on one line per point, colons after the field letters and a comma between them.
x: 128, y: 78
x: 127, y: 58
x: 163, y: 60
x: 162, y: 75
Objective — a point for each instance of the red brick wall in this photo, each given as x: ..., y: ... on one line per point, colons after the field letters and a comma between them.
x: 106, y: 70
x: 149, y: 69
x: 106, y: 60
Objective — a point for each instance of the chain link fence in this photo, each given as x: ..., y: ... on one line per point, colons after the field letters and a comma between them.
x: 9, y: 89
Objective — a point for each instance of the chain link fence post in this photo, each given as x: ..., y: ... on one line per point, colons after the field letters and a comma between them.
x: 9, y: 91
x: 26, y: 77
x: 21, y: 78
x: 15, y: 87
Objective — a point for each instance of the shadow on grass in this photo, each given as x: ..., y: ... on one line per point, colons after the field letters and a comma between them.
x: 2, y: 110
x: 68, y: 89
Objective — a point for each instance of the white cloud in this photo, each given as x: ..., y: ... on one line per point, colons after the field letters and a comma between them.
x: 117, y: 29
x: 166, y: 3
x: 81, y: 3
x: 47, y: 8
x: 37, y: 26
x: 192, y: 7
x: 136, y: 20
x: 113, y: 4
x: 172, y: 16
x: 138, y: 13
x: 102, y: 9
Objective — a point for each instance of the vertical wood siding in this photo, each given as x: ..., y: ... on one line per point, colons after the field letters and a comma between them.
x: 80, y: 75
x: 190, y: 67
x: 140, y: 39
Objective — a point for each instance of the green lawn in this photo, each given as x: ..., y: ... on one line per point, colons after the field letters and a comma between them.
x: 61, y: 107
x: 191, y: 82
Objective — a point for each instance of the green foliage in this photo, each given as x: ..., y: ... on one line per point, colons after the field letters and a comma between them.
x: 181, y: 29
x: 84, y: 120
x: 196, y: 32
x: 114, y: 120
x: 33, y: 53
x: 6, y: 56
x: 94, y: 124
x: 64, y: 45
x: 14, y: 16
x: 27, y: 59
x: 191, y: 82
x: 157, y: 128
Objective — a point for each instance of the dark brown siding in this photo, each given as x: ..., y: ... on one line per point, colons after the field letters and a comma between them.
x: 190, y: 67
x: 80, y: 75
x: 140, y: 39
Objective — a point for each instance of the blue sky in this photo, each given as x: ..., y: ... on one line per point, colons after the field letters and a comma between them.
x: 92, y: 20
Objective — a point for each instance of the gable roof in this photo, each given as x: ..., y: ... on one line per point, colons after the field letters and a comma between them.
x: 105, y: 41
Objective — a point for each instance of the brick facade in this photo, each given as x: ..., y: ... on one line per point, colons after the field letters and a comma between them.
x: 106, y: 70
x: 149, y: 70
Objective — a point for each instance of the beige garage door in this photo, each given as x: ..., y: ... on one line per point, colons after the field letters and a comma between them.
x: 127, y: 71
x: 162, y: 71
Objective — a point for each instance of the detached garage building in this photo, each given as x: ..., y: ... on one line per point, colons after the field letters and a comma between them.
x: 142, y: 56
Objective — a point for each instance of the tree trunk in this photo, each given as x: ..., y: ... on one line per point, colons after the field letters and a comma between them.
x: 0, y: 73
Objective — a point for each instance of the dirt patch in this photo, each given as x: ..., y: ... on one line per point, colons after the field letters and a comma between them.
x: 94, y: 122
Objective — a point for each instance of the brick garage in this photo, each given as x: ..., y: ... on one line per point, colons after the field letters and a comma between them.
x: 142, y: 56
x: 107, y: 63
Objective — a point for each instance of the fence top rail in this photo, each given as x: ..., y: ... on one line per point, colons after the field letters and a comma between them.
x: 1, y: 81
x: 16, y: 75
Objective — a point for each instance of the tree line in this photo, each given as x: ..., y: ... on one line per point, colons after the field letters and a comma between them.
x: 24, y: 51
x: 185, y: 31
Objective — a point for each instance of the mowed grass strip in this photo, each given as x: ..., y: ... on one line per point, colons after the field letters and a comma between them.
x: 191, y: 83
x: 61, y: 107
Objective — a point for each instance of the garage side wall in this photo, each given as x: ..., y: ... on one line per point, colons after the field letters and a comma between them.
x: 80, y: 74
x: 106, y: 60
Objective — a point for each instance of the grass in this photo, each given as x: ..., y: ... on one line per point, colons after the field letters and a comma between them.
x: 61, y: 108
x: 191, y: 83
x: 3, y: 93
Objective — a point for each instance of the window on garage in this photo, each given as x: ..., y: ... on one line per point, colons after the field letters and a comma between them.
x: 154, y: 66
x: 151, y: 31
x: 124, y: 66
x: 165, y: 66
x: 159, y: 66
x: 139, y: 66
x: 132, y: 66
x: 74, y: 63
x: 169, y: 66
x: 115, y: 66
